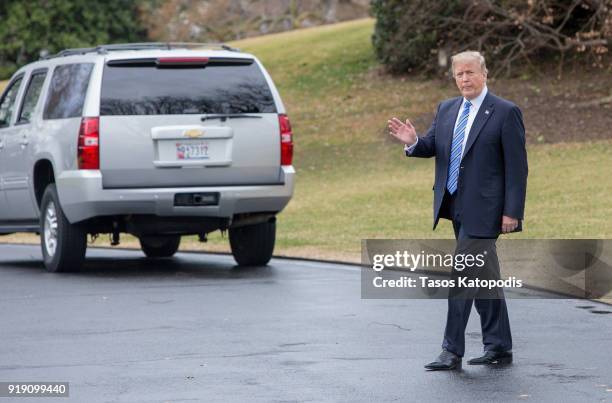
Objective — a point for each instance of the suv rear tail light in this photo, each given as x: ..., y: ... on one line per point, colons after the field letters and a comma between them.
x: 89, y: 144
x: 286, y: 137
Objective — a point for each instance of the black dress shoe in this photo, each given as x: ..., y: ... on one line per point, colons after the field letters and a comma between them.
x: 446, y: 361
x: 492, y: 358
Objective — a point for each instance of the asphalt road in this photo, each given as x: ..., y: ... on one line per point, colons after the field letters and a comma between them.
x: 197, y: 328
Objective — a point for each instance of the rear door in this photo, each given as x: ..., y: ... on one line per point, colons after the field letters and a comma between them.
x: 22, y: 204
x: 170, y: 122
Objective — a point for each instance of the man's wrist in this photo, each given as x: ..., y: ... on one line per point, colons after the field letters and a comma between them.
x: 409, y: 148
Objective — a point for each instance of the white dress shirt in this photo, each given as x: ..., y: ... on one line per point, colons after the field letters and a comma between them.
x: 476, y: 103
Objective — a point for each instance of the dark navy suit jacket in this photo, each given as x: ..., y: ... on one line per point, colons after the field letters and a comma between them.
x: 493, y: 172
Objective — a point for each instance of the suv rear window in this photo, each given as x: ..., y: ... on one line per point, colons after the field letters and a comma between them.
x: 30, y: 99
x: 222, y: 86
x: 67, y: 91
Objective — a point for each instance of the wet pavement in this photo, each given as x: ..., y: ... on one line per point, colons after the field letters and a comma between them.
x: 198, y: 328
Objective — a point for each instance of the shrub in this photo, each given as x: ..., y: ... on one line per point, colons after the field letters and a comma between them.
x: 410, y: 35
x: 31, y: 26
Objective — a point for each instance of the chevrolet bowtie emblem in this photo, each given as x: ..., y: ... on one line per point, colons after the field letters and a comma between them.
x: 193, y: 133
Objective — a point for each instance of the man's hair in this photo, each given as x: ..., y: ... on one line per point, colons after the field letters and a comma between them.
x: 469, y: 55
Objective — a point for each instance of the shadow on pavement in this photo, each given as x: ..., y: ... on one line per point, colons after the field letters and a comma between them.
x: 171, y: 268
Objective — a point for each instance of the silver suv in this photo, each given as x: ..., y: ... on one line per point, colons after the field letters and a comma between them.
x: 155, y: 140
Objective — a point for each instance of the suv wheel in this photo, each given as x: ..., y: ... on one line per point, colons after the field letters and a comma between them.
x: 252, y: 245
x: 160, y: 246
x: 63, y: 244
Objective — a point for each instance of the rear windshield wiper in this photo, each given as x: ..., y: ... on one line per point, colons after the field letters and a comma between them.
x: 225, y: 116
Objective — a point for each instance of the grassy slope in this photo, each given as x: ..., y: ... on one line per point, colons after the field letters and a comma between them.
x: 353, y: 181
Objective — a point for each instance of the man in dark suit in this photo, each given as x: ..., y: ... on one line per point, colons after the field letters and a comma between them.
x: 478, y: 141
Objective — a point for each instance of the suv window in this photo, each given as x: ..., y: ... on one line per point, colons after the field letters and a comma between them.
x: 67, y: 91
x: 7, y: 105
x: 221, y: 86
x: 30, y: 99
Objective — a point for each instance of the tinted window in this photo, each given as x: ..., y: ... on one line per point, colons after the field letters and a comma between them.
x: 67, y: 91
x: 7, y: 105
x: 149, y: 90
x: 31, y: 96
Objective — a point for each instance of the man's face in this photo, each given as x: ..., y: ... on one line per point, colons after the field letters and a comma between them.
x: 470, y: 78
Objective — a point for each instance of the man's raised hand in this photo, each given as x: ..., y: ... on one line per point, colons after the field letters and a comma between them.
x: 404, y: 132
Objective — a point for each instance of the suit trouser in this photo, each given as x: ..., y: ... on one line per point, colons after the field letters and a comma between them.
x: 496, y: 335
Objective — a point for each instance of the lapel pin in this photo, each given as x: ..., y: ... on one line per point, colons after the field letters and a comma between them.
x: 486, y: 112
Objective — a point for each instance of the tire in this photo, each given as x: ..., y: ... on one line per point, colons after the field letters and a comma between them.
x: 63, y: 244
x: 160, y: 246
x: 252, y: 245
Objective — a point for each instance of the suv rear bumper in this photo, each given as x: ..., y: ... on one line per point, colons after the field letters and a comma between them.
x: 82, y: 197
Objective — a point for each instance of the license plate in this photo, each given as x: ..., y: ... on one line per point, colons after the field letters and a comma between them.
x: 192, y: 151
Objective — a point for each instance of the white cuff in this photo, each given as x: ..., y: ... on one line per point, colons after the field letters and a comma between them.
x: 408, y: 149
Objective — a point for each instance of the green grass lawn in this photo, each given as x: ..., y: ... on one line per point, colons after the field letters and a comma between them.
x: 354, y: 182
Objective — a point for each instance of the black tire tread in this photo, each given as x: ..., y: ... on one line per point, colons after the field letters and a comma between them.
x: 72, y: 238
x: 168, y: 247
x: 253, y: 245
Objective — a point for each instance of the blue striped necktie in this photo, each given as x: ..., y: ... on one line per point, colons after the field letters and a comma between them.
x: 457, y: 145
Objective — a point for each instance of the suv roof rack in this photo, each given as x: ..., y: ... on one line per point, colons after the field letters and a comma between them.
x: 104, y: 49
